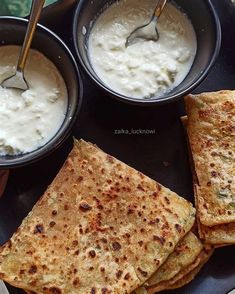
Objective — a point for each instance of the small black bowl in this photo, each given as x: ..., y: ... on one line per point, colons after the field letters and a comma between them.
x: 207, y: 27
x: 12, y: 32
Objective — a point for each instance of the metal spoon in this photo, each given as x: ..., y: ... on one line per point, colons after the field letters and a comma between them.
x: 148, y: 31
x: 17, y: 80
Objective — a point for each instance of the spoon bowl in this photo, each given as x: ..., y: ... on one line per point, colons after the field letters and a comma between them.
x: 17, y: 81
x: 12, y: 32
x: 148, y: 31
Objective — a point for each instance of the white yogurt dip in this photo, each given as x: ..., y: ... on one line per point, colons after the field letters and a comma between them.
x: 146, y: 68
x: 29, y: 119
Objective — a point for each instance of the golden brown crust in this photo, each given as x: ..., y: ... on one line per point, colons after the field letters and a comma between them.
x: 186, y: 275
x: 211, y: 131
x: 219, y: 235
x: 184, y: 254
x: 180, y: 267
x: 101, y: 227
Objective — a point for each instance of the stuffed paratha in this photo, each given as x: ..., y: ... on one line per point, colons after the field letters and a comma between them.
x: 101, y: 227
x: 183, y: 277
x: 211, y: 133
x: 218, y: 235
x: 184, y: 254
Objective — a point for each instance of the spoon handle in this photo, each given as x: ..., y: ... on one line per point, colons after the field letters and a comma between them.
x: 159, y: 7
x: 35, y: 12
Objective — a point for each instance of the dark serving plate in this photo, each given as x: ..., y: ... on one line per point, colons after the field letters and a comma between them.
x: 161, y: 154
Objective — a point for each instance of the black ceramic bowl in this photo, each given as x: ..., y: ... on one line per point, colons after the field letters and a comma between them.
x: 207, y: 27
x: 12, y: 31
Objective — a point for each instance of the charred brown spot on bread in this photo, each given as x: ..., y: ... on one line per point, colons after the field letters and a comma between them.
x: 80, y: 178
x: 104, y: 240
x: 102, y: 269
x: 76, y: 282
x: 119, y: 274
x: 116, y: 246
x: 157, y: 261
x: 92, y: 253
x: 22, y: 271
x: 140, y: 187
x: 9, y: 244
x: 54, y: 212
x: 167, y: 200
x: 155, y: 194
x: 214, y: 174
x: 33, y: 269
x: 178, y: 228
x: 141, y: 243
x: 130, y: 210
x: 100, y: 207
x: 141, y: 175
x: 165, y: 226
x: 75, y: 243
x: 30, y: 252
x: 104, y: 290
x: 93, y: 290
x: 66, y: 207
x: 143, y: 273
x: 52, y: 224
x: 127, y: 276
x: 84, y: 206
x: 158, y: 186
x: 160, y: 239
x: 139, y: 213
x: 153, y: 222
x: 55, y: 290
x: 39, y: 229
x: 33, y: 283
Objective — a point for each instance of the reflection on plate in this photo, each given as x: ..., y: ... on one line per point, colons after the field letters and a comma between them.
x: 3, y: 289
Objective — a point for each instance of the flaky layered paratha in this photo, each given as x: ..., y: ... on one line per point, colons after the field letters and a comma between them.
x: 185, y: 253
x: 211, y: 132
x: 188, y: 274
x: 186, y: 266
x: 218, y: 235
x: 101, y: 227
x: 184, y: 275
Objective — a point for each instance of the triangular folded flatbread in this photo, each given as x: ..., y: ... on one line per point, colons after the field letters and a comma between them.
x: 101, y: 227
